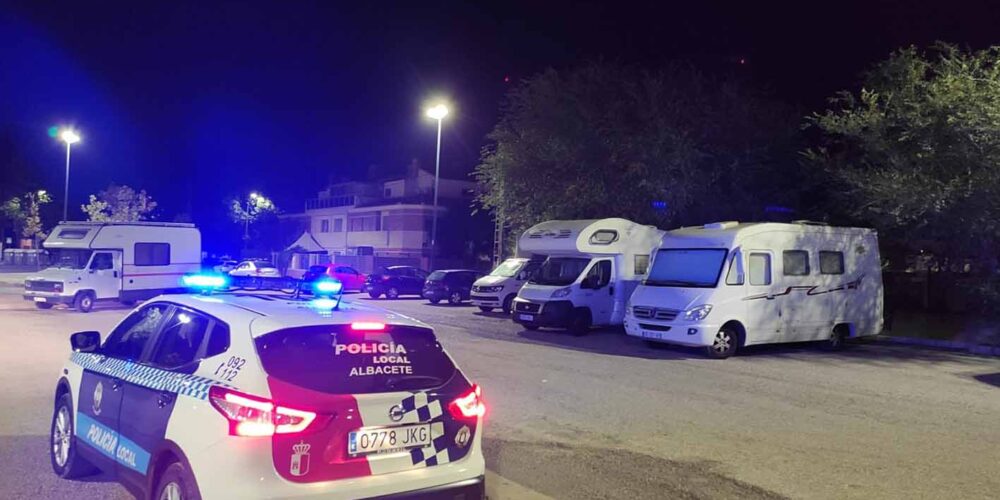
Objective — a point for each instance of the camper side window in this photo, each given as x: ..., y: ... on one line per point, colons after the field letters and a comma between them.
x: 795, y: 262
x: 733, y: 276
x: 152, y: 254
x: 760, y: 269
x: 831, y: 263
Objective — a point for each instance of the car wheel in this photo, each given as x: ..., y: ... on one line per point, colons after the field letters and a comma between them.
x: 455, y: 298
x: 724, y: 345
x: 836, y: 340
x: 374, y: 295
x: 581, y: 323
x: 434, y: 301
x: 508, y: 304
x: 392, y: 293
x: 62, y: 443
x: 176, y: 483
x: 530, y: 326
x: 485, y: 309
x: 43, y: 305
x: 84, y: 302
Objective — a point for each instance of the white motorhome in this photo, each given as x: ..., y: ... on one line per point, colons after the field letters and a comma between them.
x: 591, y: 269
x: 498, y: 289
x: 132, y: 261
x: 726, y: 285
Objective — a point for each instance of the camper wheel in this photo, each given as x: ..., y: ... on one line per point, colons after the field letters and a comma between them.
x: 580, y: 324
x: 837, y: 338
x: 84, y: 301
x: 725, y: 343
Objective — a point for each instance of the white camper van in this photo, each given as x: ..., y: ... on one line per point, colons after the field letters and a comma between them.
x: 727, y: 285
x: 93, y: 261
x: 591, y: 268
x: 498, y: 289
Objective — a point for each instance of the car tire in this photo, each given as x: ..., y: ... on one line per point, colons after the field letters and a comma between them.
x: 84, y: 302
x: 836, y: 341
x: 530, y: 326
x: 392, y: 293
x: 580, y: 325
x: 62, y: 443
x: 176, y: 482
x: 725, y: 344
x: 43, y: 305
x: 374, y: 295
x: 455, y: 298
x: 485, y: 309
x: 508, y: 304
x: 434, y: 301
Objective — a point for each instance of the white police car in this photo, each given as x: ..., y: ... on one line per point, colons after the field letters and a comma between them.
x: 255, y: 396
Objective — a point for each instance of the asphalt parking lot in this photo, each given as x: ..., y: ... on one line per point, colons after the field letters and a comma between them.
x: 605, y: 416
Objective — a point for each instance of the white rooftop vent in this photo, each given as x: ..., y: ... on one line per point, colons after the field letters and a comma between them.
x: 729, y: 224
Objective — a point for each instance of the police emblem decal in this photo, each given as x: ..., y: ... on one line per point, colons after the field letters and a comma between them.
x: 300, y: 459
x: 98, y: 394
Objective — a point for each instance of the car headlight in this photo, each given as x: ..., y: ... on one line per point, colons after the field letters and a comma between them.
x: 562, y: 292
x: 628, y: 307
x: 697, y: 313
x: 489, y: 289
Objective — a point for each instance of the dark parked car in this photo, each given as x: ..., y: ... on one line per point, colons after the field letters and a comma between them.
x: 453, y: 285
x: 394, y: 281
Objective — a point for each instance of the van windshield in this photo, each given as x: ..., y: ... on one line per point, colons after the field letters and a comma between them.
x: 686, y: 267
x: 508, y: 268
x: 559, y: 271
x: 69, y: 258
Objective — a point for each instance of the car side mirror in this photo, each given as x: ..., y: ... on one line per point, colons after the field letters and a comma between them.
x: 85, y: 341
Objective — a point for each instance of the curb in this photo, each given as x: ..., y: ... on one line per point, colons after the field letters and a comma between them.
x: 951, y: 345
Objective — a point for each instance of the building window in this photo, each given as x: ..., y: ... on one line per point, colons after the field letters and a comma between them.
x: 338, y: 225
x: 365, y: 223
x: 831, y: 263
x: 152, y: 254
x: 324, y: 225
x: 795, y: 262
x: 388, y: 192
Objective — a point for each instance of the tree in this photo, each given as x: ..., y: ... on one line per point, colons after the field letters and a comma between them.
x: 119, y: 204
x: 256, y: 208
x: 25, y: 213
x: 916, y: 152
x: 660, y: 147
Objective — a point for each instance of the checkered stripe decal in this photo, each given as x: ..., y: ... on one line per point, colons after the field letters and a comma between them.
x: 146, y: 376
x: 437, y: 452
x: 426, y: 410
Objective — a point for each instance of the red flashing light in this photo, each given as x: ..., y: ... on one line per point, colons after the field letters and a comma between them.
x: 367, y: 326
x: 469, y: 405
x: 250, y: 416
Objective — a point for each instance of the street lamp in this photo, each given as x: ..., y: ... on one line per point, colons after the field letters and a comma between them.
x: 437, y: 112
x: 70, y: 137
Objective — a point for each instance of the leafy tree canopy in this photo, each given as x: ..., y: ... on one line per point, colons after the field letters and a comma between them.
x: 119, y: 204
x: 916, y: 152
x: 25, y: 213
x: 667, y: 147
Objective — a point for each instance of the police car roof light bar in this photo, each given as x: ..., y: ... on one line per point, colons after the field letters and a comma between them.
x: 205, y: 283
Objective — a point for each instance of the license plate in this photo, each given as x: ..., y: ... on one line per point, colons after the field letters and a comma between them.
x: 526, y: 317
x: 388, y: 439
x: 39, y: 299
x: 652, y: 335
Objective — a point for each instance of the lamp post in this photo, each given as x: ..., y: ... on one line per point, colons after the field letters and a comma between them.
x: 70, y: 137
x: 246, y: 217
x: 438, y: 113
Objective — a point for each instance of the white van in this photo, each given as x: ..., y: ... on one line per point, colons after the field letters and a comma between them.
x: 498, y: 289
x: 727, y: 285
x: 131, y: 261
x: 591, y: 269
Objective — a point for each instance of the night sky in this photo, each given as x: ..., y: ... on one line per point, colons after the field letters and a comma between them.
x: 198, y: 101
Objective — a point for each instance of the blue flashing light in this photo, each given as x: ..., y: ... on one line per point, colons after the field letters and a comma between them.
x: 324, y: 304
x: 327, y: 287
x: 205, y: 281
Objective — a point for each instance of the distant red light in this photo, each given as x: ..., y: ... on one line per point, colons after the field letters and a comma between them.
x: 506, y: 79
x: 743, y: 60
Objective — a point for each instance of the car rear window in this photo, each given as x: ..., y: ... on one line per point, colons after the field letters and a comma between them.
x: 437, y: 276
x: 337, y: 360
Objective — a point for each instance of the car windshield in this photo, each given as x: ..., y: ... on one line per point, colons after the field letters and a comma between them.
x: 560, y: 271
x: 508, y: 268
x: 686, y: 267
x: 69, y: 258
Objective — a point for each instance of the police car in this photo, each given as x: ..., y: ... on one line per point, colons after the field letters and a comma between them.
x: 260, y: 396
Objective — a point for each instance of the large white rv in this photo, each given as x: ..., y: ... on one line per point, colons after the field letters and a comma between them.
x: 93, y: 261
x: 591, y: 268
x: 726, y: 285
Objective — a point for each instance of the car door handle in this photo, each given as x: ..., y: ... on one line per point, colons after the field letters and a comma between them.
x: 116, y: 383
x: 164, y: 398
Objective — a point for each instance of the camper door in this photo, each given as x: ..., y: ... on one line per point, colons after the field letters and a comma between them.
x: 597, y: 291
x: 104, y: 273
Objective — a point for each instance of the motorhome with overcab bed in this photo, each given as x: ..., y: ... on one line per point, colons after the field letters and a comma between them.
x: 727, y: 285
x: 92, y: 261
x: 590, y: 270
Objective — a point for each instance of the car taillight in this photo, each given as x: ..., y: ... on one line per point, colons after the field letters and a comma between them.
x: 468, y: 405
x: 252, y: 416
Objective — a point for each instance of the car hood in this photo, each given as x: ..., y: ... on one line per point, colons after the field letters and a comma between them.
x: 57, y: 274
x: 490, y: 280
x: 668, y: 297
x: 537, y: 292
